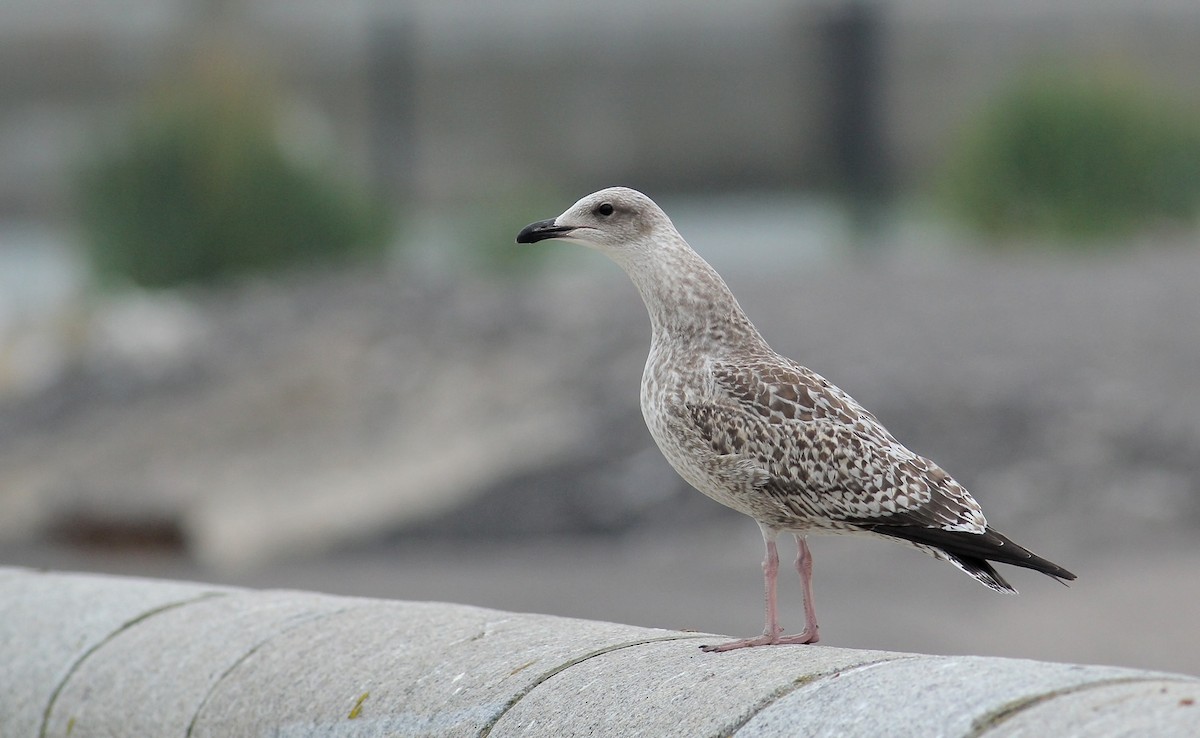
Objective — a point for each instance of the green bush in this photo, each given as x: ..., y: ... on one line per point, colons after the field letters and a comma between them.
x: 200, y: 189
x: 1074, y: 158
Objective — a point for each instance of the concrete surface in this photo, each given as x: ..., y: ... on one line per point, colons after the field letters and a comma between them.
x: 99, y: 655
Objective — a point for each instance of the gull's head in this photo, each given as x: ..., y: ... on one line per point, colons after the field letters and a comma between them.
x: 615, y: 220
x: 680, y: 289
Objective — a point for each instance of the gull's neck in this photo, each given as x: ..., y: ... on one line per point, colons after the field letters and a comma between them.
x: 688, y: 302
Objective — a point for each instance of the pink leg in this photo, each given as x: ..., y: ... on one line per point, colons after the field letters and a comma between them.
x: 772, y: 633
x: 804, y: 569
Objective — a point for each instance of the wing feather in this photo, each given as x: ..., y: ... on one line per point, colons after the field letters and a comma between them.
x: 821, y: 458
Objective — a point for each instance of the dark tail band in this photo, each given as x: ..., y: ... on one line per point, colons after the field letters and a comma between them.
x: 974, y: 550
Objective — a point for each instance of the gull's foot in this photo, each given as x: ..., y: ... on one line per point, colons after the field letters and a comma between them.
x: 766, y: 639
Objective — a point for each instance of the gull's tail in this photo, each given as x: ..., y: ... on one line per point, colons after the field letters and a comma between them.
x: 973, y: 552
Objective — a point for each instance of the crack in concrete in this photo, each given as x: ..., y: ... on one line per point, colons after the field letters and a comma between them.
x: 544, y: 677
x: 309, y: 618
x: 807, y: 680
x: 108, y: 639
x: 985, y: 723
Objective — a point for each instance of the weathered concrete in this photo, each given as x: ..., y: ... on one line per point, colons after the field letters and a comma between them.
x: 98, y: 655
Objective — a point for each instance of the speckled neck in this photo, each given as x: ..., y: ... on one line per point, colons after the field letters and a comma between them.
x: 688, y: 302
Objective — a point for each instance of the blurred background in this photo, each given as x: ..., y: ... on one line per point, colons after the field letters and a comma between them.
x: 262, y: 319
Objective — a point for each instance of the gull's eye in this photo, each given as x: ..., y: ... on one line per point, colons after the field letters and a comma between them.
x: 605, y: 209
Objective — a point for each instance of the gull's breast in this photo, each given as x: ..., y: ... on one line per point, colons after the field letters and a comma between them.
x: 668, y: 386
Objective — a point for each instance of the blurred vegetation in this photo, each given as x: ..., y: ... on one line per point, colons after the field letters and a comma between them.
x: 200, y: 188
x: 1074, y: 158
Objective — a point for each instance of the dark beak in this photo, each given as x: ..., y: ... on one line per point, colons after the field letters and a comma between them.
x: 542, y: 230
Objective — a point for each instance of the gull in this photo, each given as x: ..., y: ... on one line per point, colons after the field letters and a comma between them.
x: 762, y: 434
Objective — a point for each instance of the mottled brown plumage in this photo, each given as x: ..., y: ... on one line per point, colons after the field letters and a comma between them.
x: 764, y: 435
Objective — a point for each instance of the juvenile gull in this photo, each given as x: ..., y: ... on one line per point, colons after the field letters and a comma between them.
x: 764, y: 435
